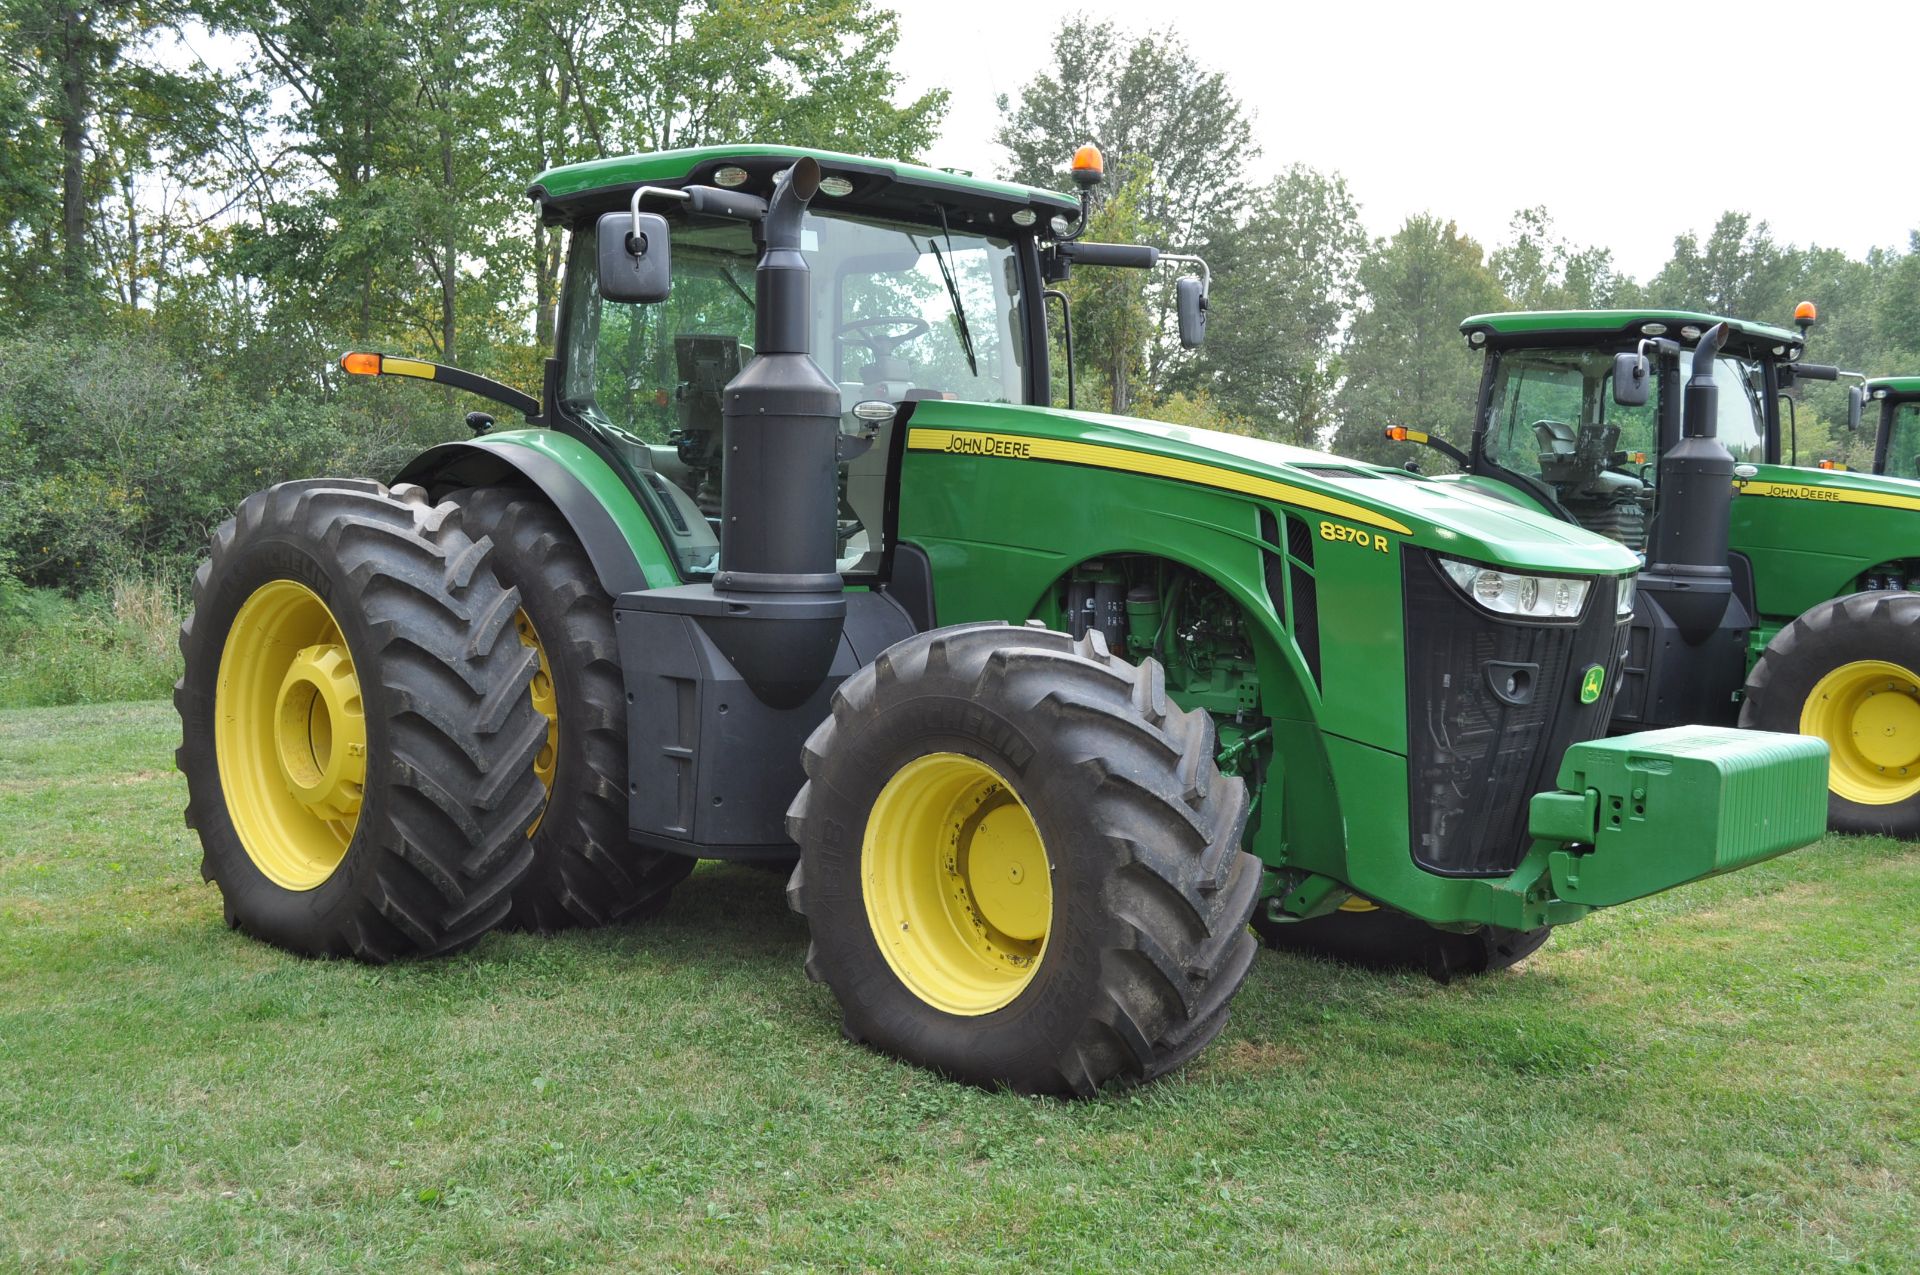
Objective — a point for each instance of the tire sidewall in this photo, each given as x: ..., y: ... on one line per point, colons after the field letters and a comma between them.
x: 1028, y: 1035
x: 1793, y: 672
x: 271, y: 911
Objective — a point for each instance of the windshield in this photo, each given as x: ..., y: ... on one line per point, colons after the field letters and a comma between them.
x: 900, y: 312
x: 1552, y: 415
x: 1903, y: 442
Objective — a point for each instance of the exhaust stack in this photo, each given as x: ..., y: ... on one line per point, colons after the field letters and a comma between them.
x: 1687, y: 570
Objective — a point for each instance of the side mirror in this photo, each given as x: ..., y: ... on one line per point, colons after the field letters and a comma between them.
x: 1856, y: 401
x: 636, y: 268
x: 1631, y: 379
x: 1190, y: 296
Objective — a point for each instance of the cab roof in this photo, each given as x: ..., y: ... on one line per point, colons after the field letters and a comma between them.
x: 1887, y: 386
x: 1503, y: 329
x: 882, y: 184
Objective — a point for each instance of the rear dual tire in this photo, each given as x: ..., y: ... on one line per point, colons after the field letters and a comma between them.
x: 961, y: 772
x: 585, y: 870
x: 358, y: 740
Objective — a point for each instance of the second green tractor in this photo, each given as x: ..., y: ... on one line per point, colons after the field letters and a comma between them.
x: 1774, y: 596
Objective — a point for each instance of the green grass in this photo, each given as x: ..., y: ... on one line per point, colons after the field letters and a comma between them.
x: 1721, y: 1078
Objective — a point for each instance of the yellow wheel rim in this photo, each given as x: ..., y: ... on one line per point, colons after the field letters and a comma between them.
x: 958, y: 886
x: 1869, y: 714
x: 290, y: 735
x: 547, y: 704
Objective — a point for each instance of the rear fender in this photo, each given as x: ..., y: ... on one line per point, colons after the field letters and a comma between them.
x: 626, y: 550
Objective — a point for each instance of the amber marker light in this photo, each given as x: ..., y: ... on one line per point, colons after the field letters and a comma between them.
x: 1806, y: 312
x: 1089, y: 168
x: 360, y: 364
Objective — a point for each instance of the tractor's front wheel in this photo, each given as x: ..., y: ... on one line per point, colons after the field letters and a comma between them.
x: 1019, y: 863
x: 357, y: 737
x: 585, y: 870
x: 1848, y: 672
x: 1378, y: 938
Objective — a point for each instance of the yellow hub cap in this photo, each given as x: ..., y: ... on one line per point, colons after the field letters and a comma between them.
x: 958, y: 887
x: 547, y: 704
x: 290, y: 735
x: 1869, y: 714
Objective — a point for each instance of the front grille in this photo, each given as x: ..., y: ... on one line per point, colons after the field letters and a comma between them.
x: 1492, y: 704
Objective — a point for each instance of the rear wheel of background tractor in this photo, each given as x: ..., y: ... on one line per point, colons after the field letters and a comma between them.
x: 1019, y: 863
x: 1848, y: 672
x: 357, y: 737
x: 1378, y: 938
x: 585, y: 870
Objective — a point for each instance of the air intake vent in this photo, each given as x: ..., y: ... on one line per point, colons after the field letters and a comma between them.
x: 1299, y: 540
x: 1290, y: 587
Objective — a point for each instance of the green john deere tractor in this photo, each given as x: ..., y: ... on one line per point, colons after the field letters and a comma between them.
x: 1778, y: 597
x: 1896, y: 445
x: 793, y: 560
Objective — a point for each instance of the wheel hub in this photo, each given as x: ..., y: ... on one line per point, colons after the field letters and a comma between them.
x: 320, y: 732
x: 958, y: 885
x: 546, y: 702
x: 290, y: 735
x: 1868, y: 711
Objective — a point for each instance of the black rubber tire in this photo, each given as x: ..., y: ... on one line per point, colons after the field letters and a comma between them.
x: 1152, y: 893
x: 1387, y: 939
x: 451, y: 735
x: 1861, y: 626
x: 585, y: 870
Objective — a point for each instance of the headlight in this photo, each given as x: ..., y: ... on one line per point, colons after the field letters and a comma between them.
x: 1508, y: 593
x: 1624, y: 606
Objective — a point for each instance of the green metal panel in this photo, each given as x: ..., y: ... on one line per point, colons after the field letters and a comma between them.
x: 1665, y: 807
x: 1901, y: 385
x: 608, y: 488
x: 1810, y: 533
x: 629, y: 170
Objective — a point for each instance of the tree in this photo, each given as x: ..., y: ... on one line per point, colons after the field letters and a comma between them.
x: 1540, y: 270
x: 1111, y: 318
x: 1285, y: 283
x: 1406, y: 363
x: 1156, y: 113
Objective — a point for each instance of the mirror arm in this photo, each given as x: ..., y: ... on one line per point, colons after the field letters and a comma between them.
x: 1206, y: 275
x: 661, y: 192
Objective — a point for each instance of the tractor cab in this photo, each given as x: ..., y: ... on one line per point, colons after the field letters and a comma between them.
x: 925, y: 285
x: 1896, y: 446
x: 1577, y: 408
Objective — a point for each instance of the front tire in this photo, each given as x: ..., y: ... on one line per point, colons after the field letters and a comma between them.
x: 586, y: 871
x: 1845, y: 672
x: 1019, y: 863
x: 1378, y: 938
x: 356, y: 734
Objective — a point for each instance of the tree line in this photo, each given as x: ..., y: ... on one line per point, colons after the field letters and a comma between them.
x: 203, y: 201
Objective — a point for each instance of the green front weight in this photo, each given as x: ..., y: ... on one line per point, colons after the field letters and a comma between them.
x: 1643, y: 813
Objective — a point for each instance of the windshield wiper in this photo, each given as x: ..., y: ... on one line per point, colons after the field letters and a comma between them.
x: 953, y: 293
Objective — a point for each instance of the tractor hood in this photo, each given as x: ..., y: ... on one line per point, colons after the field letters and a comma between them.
x: 1436, y: 515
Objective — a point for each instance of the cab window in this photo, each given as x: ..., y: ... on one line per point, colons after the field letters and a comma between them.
x: 1550, y: 407
x: 1903, y: 442
x: 899, y: 312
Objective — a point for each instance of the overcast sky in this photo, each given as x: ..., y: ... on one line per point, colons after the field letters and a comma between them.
x: 1467, y: 110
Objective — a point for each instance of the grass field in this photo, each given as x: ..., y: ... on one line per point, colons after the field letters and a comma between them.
x: 1727, y: 1077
